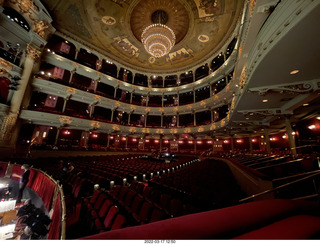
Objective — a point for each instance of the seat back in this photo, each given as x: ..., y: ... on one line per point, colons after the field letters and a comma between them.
x: 105, y: 208
x: 136, y: 205
x: 145, y: 210
x: 129, y: 198
x: 110, y: 216
x: 99, y: 201
x: 119, y: 222
x: 156, y: 215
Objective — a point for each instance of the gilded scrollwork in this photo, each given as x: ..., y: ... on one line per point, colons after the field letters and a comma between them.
x: 33, y: 53
x: 40, y: 28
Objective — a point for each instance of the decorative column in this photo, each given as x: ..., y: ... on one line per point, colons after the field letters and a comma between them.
x: 71, y: 75
x: 250, y: 144
x: 7, y: 134
x: 291, y: 138
x: 57, y: 136
x: 147, y: 99
x: 115, y: 91
x: 133, y: 76
x: 65, y: 102
x: 108, y: 141
x: 212, y: 118
x: 227, y: 79
x: 267, y: 140
x: 112, y: 112
x: 210, y: 87
x: 96, y: 85
x: 178, y: 120
x: 161, y: 136
x: 231, y: 143
x: 162, y: 99
x: 118, y: 71
x: 194, y: 118
x: 145, y: 120
x: 149, y: 82
x: 178, y: 97
x: 76, y: 56
x: 194, y: 95
x: 195, y: 145
x: 161, y: 120
x: 127, y: 138
x: 131, y: 95
x: 163, y: 82
x: 129, y: 117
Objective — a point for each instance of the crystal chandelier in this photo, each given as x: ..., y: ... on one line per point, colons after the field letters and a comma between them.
x: 158, y: 39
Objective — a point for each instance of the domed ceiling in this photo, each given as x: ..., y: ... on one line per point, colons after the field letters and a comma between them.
x: 114, y: 27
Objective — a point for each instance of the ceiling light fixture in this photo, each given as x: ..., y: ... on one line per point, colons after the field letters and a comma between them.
x: 265, y: 100
x: 293, y: 72
x: 158, y: 39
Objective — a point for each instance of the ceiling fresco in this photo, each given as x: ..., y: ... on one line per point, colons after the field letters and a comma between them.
x: 114, y: 27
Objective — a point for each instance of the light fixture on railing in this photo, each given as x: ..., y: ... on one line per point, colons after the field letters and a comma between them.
x: 158, y: 39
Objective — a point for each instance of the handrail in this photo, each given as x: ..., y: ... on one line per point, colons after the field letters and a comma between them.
x: 284, y: 163
x: 278, y: 187
x: 296, y: 175
x: 62, y: 202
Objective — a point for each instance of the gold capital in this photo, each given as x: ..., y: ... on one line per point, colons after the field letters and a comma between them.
x: 33, y: 53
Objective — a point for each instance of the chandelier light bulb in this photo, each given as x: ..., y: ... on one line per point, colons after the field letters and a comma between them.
x: 158, y: 39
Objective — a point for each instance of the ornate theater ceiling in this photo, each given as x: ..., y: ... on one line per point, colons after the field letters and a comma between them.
x: 114, y: 27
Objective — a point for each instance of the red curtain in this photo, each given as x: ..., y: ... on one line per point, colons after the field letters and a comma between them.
x: 54, y: 232
x: 43, y: 186
x: 16, y: 169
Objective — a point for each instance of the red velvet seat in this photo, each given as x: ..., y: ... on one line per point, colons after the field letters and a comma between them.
x: 136, y: 205
x: 103, y: 210
x: 108, y: 221
x: 144, y: 212
x: 164, y: 201
x: 98, y: 203
x: 128, y: 200
x: 156, y: 215
x: 119, y: 222
x: 175, y: 208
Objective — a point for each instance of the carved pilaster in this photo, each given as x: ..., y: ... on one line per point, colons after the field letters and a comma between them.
x: 33, y: 53
x: 7, y: 128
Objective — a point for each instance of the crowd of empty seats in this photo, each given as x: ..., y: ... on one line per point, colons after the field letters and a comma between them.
x: 208, y: 184
x: 278, y: 166
x: 292, y: 177
x: 122, y: 200
x: 124, y: 206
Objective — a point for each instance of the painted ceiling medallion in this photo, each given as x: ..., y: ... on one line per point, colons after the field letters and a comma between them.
x: 108, y: 20
x: 203, y: 38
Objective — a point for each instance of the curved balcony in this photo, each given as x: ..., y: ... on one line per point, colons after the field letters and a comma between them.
x: 48, y: 87
x: 66, y: 52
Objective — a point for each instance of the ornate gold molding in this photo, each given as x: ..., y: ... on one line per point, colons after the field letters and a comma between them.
x: 5, y: 64
x: 33, y: 53
x: 40, y: 27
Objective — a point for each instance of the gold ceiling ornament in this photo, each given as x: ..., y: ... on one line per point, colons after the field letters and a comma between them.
x: 158, y: 39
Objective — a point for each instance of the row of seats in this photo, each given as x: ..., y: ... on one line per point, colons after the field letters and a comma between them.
x: 208, y: 183
x: 279, y: 166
